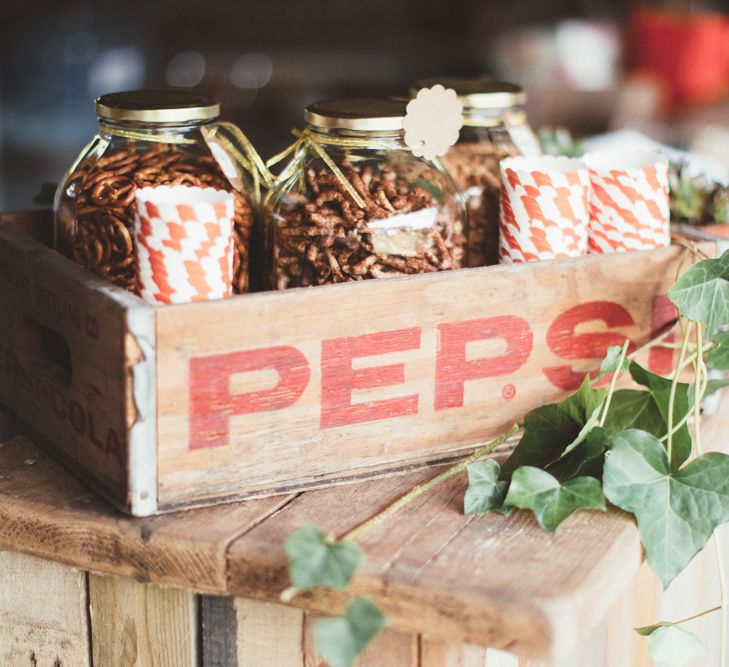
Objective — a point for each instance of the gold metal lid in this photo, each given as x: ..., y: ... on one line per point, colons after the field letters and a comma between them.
x: 371, y: 114
x: 157, y: 106
x: 478, y: 93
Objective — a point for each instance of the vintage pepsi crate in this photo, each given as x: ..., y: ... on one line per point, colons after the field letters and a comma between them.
x: 164, y: 408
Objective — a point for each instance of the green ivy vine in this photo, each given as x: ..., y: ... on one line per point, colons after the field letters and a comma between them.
x: 632, y: 448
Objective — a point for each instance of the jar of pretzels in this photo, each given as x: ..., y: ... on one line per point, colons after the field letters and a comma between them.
x: 495, y: 126
x: 354, y: 202
x: 146, y: 138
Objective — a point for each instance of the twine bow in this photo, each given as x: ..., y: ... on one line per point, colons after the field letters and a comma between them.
x: 316, y: 143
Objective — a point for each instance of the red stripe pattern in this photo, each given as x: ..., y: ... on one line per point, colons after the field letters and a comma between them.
x: 544, y: 209
x: 184, y: 248
x: 629, y: 209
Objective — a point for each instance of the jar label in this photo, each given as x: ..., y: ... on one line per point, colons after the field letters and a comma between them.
x: 227, y: 165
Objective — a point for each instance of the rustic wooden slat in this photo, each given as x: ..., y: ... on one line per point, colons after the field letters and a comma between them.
x: 269, y: 634
x: 219, y: 631
x: 43, y: 616
x: 255, y: 393
x: 142, y: 625
x: 46, y: 512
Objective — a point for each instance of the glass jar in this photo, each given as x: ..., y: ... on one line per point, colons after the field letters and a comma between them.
x: 355, y: 203
x: 145, y: 138
x: 495, y: 126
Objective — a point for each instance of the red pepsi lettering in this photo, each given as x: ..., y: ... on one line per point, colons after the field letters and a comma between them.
x: 452, y: 370
x: 339, y: 379
x: 211, y: 403
x: 565, y: 343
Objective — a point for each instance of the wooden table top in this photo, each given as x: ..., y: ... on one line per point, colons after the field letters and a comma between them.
x: 489, y: 580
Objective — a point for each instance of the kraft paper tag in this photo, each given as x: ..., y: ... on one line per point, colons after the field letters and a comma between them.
x: 433, y: 121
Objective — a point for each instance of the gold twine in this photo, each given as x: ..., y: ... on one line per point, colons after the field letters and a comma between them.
x: 144, y: 136
x: 317, y: 143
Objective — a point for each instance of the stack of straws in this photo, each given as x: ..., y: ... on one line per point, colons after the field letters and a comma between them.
x: 559, y: 207
x: 184, y: 242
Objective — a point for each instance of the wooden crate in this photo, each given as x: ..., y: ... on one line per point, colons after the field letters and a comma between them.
x: 177, y: 406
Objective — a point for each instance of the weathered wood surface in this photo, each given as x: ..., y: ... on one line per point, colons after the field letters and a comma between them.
x: 487, y: 580
x: 278, y: 391
x: 49, y: 513
x: 43, y: 620
x: 138, y: 625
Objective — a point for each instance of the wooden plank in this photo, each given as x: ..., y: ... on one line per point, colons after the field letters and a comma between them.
x: 142, y: 625
x: 43, y: 615
x: 491, y: 580
x: 63, y: 367
x: 269, y: 634
x: 46, y: 512
x: 278, y: 391
x: 389, y: 647
x: 219, y: 631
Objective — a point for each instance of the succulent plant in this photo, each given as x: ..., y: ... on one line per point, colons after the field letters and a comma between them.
x: 697, y: 200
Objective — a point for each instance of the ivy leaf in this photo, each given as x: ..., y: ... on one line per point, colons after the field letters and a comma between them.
x: 610, y: 363
x: 485, y: 492
x: 536, y: 490
x: 677, y: 511
x: 635, y: 408
x: 702, y: 293
x: 670, y: 644
x: 317, y: 560
x: 647, y: 630
x: 340, y: 640
x: 712, y: 386
x: 660, y: 391
x: 552, y: 429
x: 719, y: 357
x: 587, y: 460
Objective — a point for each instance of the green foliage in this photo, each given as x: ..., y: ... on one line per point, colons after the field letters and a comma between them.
x: 702, y: 292
x: 552, y: 502
x: 340, y: 640
x: 587, y: 460
x: 719, y: 357
x: 556, y: 429
x: 316, y: 560
x: 676, y: 511
x: 670, y: 644
x: 559, y: 141
x: 614, y: 361
x: 485, y: 492
x: 660, y: 393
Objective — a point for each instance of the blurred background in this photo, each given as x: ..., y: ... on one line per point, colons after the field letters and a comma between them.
x: 588, y: 65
